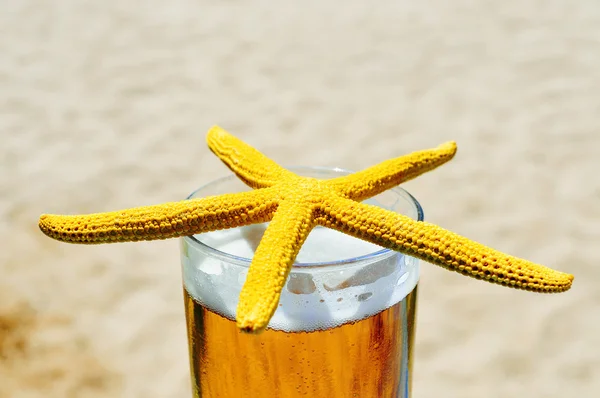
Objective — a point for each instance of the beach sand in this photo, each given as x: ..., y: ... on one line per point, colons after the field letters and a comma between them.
x: 105, y: 105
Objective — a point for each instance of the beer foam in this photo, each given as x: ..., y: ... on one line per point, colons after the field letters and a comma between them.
x: 360, y: 279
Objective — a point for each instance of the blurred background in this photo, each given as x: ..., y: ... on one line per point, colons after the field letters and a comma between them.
x: 105, y: 105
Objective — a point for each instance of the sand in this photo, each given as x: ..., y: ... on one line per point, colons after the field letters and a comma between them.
x: 104, y: 105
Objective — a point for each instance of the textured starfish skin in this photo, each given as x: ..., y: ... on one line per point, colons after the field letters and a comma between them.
x: 294, y: 205
x: 439, y: 246
x: 167, y: 220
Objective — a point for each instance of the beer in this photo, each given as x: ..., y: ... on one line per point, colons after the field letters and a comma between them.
x: 364, y: 358
x: 341, y: 330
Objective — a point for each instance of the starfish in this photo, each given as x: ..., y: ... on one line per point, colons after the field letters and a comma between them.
x: 293, y: 205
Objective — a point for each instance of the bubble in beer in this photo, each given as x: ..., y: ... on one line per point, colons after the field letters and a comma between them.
x: 364, y: 296
x: 301, y: 283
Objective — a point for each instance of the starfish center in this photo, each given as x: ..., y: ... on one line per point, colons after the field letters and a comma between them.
x: 306, y: 189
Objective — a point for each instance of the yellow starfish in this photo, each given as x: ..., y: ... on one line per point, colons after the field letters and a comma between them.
x: 294, y: 205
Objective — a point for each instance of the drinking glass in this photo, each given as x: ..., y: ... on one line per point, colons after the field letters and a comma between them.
x: 344, y: 326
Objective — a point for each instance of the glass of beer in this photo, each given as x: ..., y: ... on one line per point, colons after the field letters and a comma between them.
x: 346, y: 318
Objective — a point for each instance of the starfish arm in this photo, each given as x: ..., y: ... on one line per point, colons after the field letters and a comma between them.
x: 168, y: 220
x: 252, y: 167
x: 390, y: 173
x: 438, y: 246
x: 271, y: 265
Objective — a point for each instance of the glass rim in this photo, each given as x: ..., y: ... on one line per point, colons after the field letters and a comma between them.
x: 298, y: 266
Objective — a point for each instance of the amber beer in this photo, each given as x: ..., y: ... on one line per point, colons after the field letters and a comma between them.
x: 370, y: 357
x: 344, y: 326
